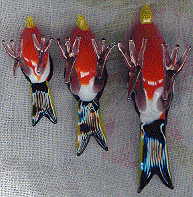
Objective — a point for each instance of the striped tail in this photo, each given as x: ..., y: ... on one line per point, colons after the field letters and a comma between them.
x: 42, y: 103
x: 90, y: 124
x: 154, y: 159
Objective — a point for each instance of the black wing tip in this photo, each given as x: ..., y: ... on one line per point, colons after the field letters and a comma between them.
x: 166, y: 180
x: 103, y: 146
x: 51, y: 116
x: 101, y: 141
x: 34, y: 122
x: 106, y: 148
x: 54, y: 121
x: 142, y: 186
x: 170, y: 186
x: 78, y: 154
x: 139, y: 190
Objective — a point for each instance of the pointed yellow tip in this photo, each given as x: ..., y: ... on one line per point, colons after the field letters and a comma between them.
x: 82, y: 23
x: 146, y: 15
x: 29, y: 22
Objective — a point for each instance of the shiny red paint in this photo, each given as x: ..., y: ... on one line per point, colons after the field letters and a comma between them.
x: 153, y: 70
x: 29, y: 52
x: 86, y: 60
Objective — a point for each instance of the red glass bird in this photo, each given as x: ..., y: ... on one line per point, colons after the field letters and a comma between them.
x: 86, y: 76
x: 36, y: 64
x: 151, y: 78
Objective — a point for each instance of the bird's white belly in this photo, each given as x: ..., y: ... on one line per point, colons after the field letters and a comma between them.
x: 151, y: 111
x: 86, y: 92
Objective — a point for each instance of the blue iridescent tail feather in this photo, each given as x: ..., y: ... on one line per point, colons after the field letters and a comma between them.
x: 90, y: 124
x: 154, y: 159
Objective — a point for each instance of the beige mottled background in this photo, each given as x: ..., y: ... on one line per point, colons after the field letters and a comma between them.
x: 41, y: 161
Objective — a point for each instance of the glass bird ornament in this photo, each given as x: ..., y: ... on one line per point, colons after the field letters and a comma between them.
x: 86, y: 76
x: 151, y: 73
x: 36, y: 64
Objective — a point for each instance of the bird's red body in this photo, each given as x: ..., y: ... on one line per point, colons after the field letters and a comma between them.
x: 30, y: 54
x: 86, y: 61
x: 153, y: 70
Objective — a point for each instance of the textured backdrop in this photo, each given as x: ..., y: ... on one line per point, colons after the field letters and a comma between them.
x: 41, y: 161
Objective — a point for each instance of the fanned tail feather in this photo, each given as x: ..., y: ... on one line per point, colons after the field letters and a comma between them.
x: 90, y: 124
x: 42, y: 103
x: 154, y: 159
